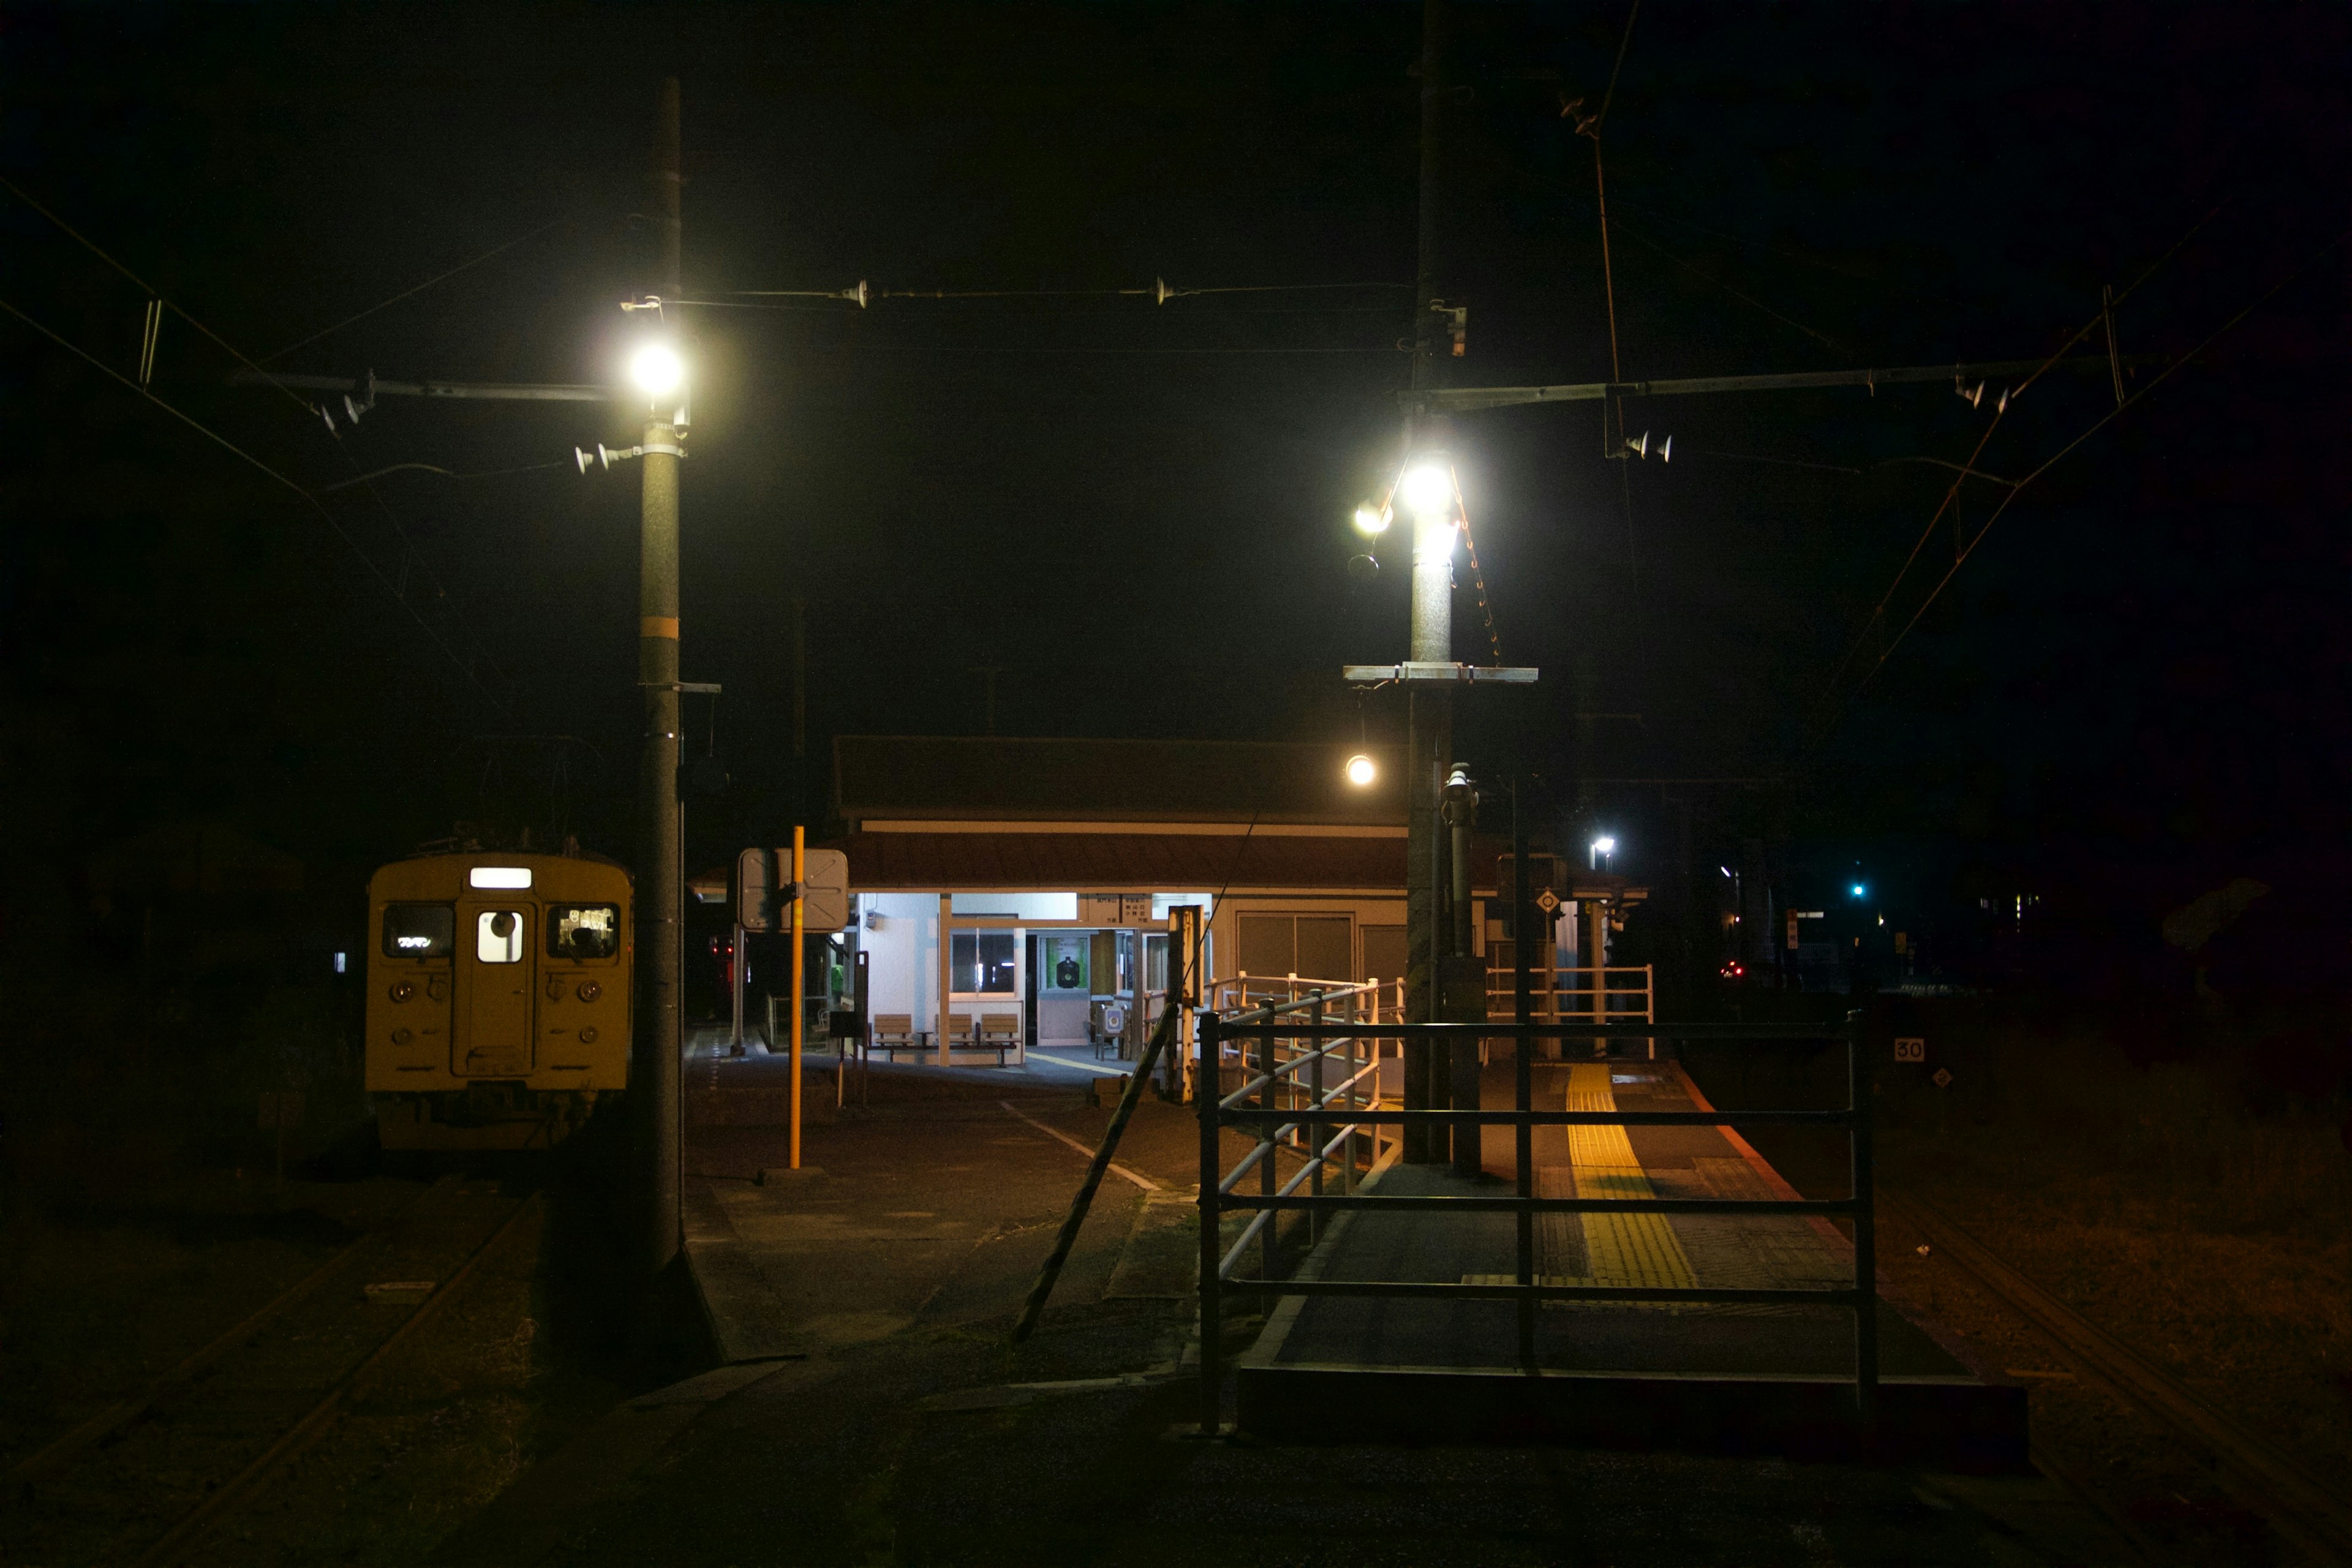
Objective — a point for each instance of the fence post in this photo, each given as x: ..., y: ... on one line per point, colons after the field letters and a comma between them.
x: 1865, y: 1241
x: 1315, y: 1130
x: 1523, y: 1069
x: 1267, y: 1088
x: 1206, y: 1098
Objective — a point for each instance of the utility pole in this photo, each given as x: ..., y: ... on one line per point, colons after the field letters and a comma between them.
x: 657, y: 1070
x: 1429, y: 710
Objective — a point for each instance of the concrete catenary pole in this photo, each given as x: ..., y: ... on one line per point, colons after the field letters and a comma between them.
x: 1429, y: 723
x: 657, y: 1068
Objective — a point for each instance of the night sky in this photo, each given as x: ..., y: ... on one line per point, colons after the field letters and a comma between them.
x: 1139, y: 511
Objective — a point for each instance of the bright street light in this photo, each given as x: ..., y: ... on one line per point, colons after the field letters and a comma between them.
x: 1360, y: 771
x: 1427, y: 488
x: 657, y: 370
x: 1602, y: 847
x: 1860, y: 891
x: 1371, y: 520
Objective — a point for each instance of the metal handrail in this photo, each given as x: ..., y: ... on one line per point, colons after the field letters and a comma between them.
x: 1270, y: 1122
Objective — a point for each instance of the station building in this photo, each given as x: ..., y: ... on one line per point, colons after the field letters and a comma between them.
x: 1033, y: 879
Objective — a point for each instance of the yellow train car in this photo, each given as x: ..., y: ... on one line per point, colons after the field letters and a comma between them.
x: 497, y: 997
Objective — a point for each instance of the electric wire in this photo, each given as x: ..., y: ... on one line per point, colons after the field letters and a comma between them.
x: 408, y: 547
x: 1951, y: 496
x: 1158, y: 291
x: 315, y: 504
x: 1835, y: 699
x: 2097, y: 424
x: 446, y: 473
x: 419, y: 288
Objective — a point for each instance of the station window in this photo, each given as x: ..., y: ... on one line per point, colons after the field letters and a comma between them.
x: 584, y: 930
x: 982, y: 963
x: 419, y: 930
x: 498, y: 937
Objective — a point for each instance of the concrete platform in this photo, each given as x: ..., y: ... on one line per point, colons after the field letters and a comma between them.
x: 1713, y: 1378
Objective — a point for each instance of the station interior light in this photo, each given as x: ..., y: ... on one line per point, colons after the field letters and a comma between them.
x: 1428, y: 487
x: 656, y: 371
x: 1360, y: 771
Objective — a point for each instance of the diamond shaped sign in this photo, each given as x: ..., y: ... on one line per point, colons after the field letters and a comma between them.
x: 1943, y: 1078
x: 1547, y: 900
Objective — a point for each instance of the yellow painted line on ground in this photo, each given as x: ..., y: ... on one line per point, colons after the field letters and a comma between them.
x: 1620, y: 1249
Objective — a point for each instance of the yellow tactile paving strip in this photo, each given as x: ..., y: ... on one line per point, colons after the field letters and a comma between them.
x: 1620, y: 1249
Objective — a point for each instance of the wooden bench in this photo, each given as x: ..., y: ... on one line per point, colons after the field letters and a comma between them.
x: 1000, y: 1032
x: 893, y: 1033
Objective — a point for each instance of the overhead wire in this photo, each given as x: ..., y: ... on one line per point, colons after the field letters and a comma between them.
x: 314, y: 502
x: 158, y: 299
x: 2000, y: 412
x: 1960, y: 558
x: 446, y: 473
x: 1160, y: 290
x: 494, y: 251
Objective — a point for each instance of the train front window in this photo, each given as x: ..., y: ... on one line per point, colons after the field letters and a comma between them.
x: 497, y: 936
x: 419, y: 930
x: 584, y: 930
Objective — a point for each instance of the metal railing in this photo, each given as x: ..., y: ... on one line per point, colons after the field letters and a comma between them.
x: 1295, y: 1037
x: 1568, y: 990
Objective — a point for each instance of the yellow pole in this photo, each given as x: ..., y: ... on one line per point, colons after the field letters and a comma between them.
x: 800, y: 869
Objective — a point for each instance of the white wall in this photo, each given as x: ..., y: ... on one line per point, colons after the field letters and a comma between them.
x: 903, y: 975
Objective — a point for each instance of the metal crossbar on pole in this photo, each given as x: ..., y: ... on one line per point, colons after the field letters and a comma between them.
x: 1252, y: 1110
x: 1462, y: 399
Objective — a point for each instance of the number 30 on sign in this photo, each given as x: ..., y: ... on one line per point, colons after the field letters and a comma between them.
x: 1910, y: 1049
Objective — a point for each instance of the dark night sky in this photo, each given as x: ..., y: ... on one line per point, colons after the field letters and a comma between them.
x: 1139, y: 511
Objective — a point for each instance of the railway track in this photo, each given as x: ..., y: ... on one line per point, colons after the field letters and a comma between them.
x: 2308, y: 1512
x: 147, y: 1480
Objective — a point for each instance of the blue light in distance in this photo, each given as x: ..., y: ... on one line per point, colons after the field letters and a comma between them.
x: 1859, y: 891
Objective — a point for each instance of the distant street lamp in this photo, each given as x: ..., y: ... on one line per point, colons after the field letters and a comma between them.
x: 1360, y: 771
x: 1602, y: 849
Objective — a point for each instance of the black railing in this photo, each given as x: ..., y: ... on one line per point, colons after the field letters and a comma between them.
x: 1251, y: 1108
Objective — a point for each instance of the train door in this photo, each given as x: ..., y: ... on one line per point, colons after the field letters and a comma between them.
x: 493, y: 1035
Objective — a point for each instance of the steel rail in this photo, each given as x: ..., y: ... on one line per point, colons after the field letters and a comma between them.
x: 1249, y: 1231
x: 1547, y: 1118
x: 1438, y: 1203
x: 1295, y: 1117
x: 1844, y: 1296
x: 123, y: 1412
x: 2307, y: 1511
x: 248, y: 1483
x: 1632, y: 1030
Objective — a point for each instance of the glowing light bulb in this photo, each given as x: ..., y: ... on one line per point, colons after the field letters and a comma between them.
x: 1427, y: 488
x: 657, y: 370
x: 1360, y: 771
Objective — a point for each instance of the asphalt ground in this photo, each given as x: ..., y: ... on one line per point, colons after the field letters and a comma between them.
x: 910, y: 1431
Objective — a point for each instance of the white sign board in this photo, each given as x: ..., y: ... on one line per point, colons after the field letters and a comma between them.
x: 825, y: 889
